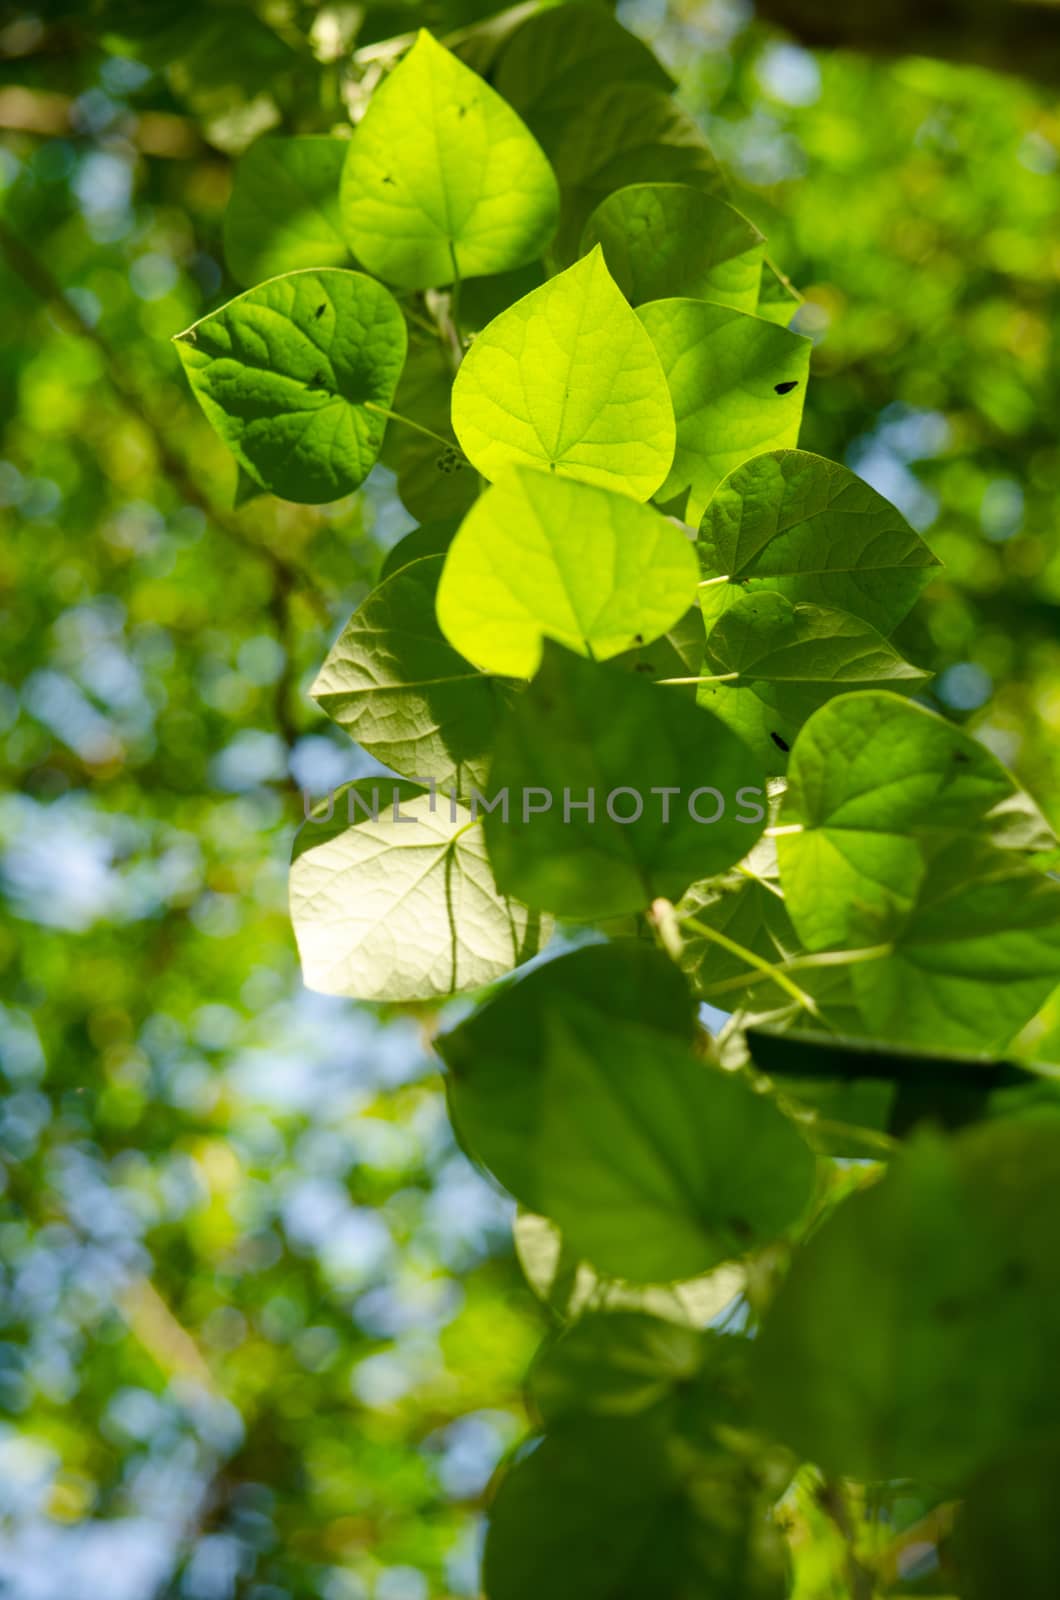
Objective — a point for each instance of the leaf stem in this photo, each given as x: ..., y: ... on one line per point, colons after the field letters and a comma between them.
x: 407, y: 422
x: 775, y: 974
x: 709, y: 583
x: 721, y: 677
x: 454, y: 299
x: 803, y: 963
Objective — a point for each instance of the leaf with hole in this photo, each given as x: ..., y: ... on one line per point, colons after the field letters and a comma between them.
x: 539, y: 556
x: 738, y: 385
x: 442, y: 179
x: 567, y: 379
x: 295, y: 376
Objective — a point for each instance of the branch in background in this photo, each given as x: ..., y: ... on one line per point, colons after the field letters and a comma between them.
x: 1020, y: 36
x: 286, y: 574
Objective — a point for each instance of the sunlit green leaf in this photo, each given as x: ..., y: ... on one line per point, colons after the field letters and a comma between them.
x: 665, y: 239
x: 442, y: 179
x: 738, y: 385
x: 543, y: 556
x: 871, y: 776
x: 403, y: 907
x: 283, y: 214
x: 568, y: 379
x: 778, y: 299
x: 809, y: 529
x: 293, y: 374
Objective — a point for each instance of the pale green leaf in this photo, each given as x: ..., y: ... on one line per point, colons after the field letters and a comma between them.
x: 568, y: 379
x: 583, y: 733
x: 809, y: 529
x: 293, y: 376
x: 665, y: 239
x: 398, y: 688
x: 283, y: 213
x: 403, y: 907
x: 738, y: 385
x: 797, y: 656
x: 539, y: 556
x: 442, y: 179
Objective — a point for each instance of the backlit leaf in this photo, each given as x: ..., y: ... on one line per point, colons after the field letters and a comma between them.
x: 568, y: 379
x: 403, y: 907
x: 738, y: 385
x: 543, y: 556
x: 442, y: 179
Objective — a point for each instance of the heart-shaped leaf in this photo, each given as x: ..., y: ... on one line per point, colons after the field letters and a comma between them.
x: 568, y: 379
x: 619, y: 792
x: 666, y: 239
x: 443, y: 180
x: 809, y: 529
x: 797, y: 656
x: 542, y: 556
x: 871, y: 778
x: 283, y: 214
x: 738, y: 384
x: 296, y: 375
x: 392, y: 898
x: 398, y: 688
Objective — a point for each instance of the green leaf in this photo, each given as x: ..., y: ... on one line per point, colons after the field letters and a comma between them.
x: 978, y: 955
x: 569, y: 1286
x: 916, y: 1333
x: 403, y: 907
x: 539, y: 556
x: 767, y: 731
x: 567, y: 379
x: 664, y: 239
x: 545, y: 67
x: 293, y: 376
x: 613, y: 1363
x: 283, y: 214
x: 608, y: 1508
x: 432, y: 539
x: 870, y: 778
x: 495, y: 1082
x: 738, y: 385
x: 435, y: 481
x: 1008, y: 1536
x: 582, y: 727
x: 442, y: 180
x: 398, y: 688
x: 626, y: 133
x: 677, y: 654
x: 778, y: 299
x: 655, y: 1165
x: 797, y: 656
x: 809, y: 529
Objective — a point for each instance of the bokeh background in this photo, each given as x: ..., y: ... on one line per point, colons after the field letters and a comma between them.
x: 261, y: 1334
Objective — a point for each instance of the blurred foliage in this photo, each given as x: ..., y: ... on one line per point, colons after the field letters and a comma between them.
x: 262, y: 1335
